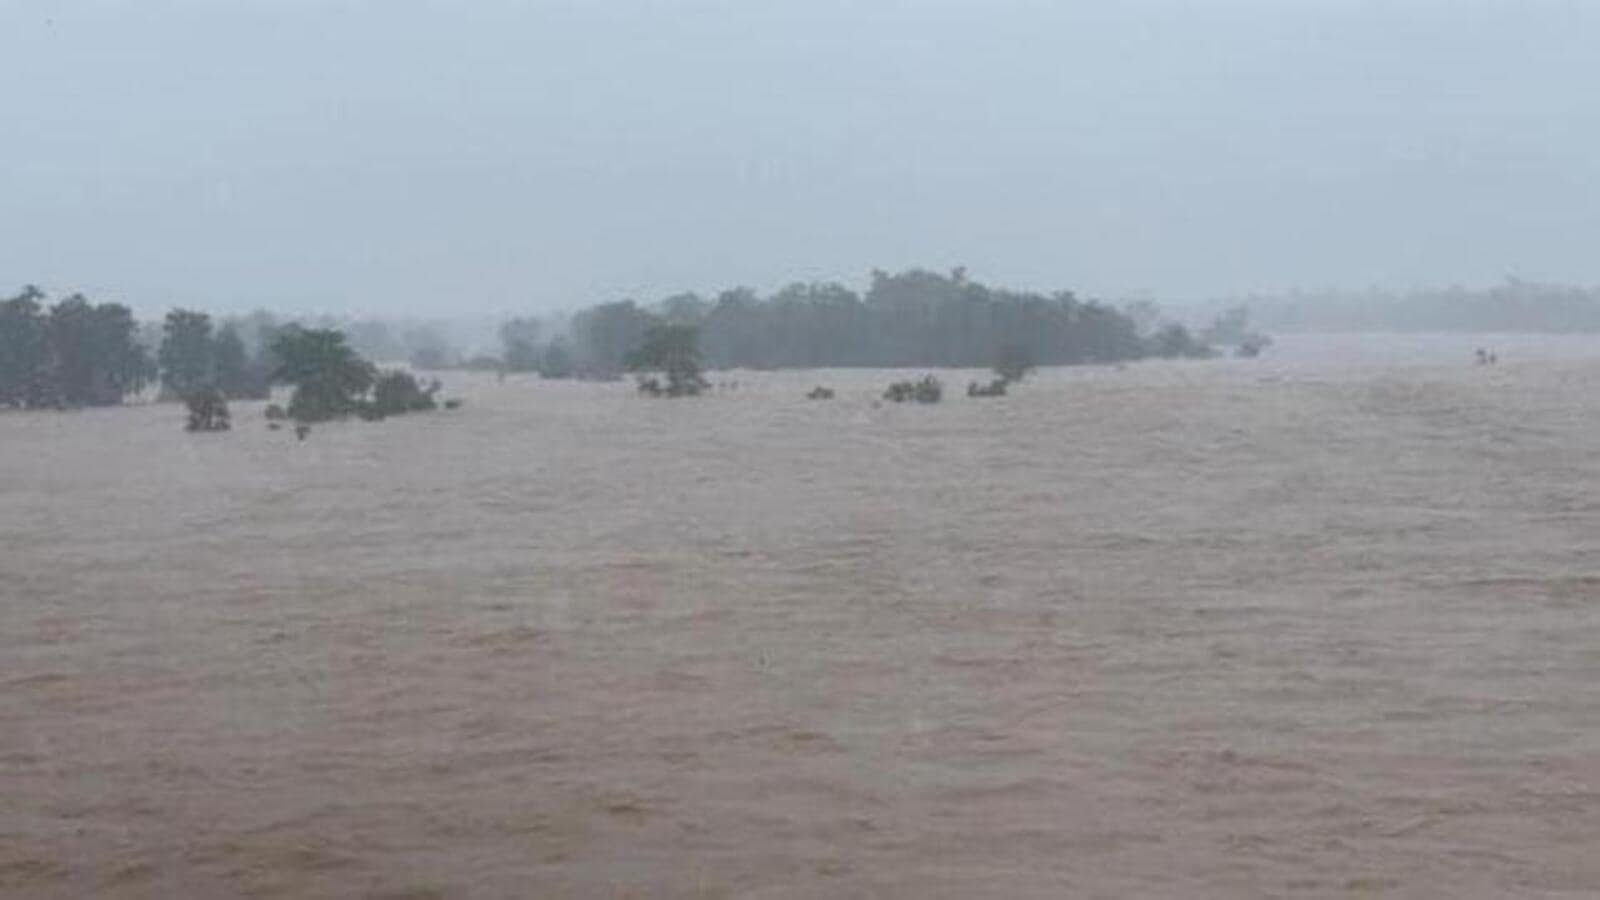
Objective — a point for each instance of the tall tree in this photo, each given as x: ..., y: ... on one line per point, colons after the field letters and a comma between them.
x: 237, y: 375
x: 186, y: 355
x: 96, y: 358
x: 25, y: 378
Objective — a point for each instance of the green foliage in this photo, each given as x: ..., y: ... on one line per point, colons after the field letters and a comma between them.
x: 928, y: 390
x: 187, y: 354
x: 208, y: 410
x: 396, y: 393
x: 914, y: 318
x: 329, y: 379
x: 75, y: 354
x: 673, y: 350
x: 608, y: 333
x: 25, y: 377
x: 96, y: 357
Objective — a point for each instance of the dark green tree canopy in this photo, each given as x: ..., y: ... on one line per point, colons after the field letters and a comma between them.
x: 329, y: 378
x: 75, y: 354
x: 186, y: 355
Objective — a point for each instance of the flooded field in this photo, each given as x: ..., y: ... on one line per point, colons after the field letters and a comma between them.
x: 1321, y: 624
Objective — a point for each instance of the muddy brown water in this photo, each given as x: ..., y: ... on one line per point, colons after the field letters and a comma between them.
x: 1324, y: 624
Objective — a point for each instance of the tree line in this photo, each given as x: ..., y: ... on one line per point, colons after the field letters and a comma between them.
x: 78, y: 353
x: 914, y: 318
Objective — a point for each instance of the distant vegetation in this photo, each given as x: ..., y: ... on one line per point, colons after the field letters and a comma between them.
x: 928, y: 390
x: 915, y: 318
x: 674, y: 351
x: 331, y: 381
x: 73, y: 353
x: 1513, y: 305
x: 208, y: 410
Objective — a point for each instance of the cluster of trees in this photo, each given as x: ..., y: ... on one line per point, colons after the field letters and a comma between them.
x: 914, y: 318
x: 194, y: 356
x: 73, y: 353
x: 77, y: 353
x: 332, y: 381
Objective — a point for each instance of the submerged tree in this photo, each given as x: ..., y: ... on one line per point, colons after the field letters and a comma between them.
x: 673, y: 350
x: 208, y: 410
x: 1013, y: 362
x: 928, y: 390
x: 396, y: 393
x: 329, y: 379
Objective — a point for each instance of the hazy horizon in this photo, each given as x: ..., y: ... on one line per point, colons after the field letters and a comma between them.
x: 428, y: 159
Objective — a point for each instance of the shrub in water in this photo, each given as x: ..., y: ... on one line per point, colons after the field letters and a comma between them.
x: 208, y: 410
x: 928, y: 390
x: 995, y: 388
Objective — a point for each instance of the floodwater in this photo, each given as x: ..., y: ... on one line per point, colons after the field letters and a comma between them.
x: 1323, y: 624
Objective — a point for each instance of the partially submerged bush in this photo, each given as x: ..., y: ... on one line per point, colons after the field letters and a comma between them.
x: 673, y: 350
x: 928, y: 390
x: 995, y: 388
x: 275, y: 413
x: 1012, y: 363
x: 329, y: 378
x: 208, y: 410
x: 397, y: 393
x: 820, y: 393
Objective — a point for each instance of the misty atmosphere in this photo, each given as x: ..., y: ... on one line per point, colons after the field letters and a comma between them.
x: 934, y: 448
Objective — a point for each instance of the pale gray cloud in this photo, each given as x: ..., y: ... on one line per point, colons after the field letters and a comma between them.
x: 417, y: 158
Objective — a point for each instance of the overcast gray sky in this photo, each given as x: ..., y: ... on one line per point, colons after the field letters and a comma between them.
x: 423, y: 158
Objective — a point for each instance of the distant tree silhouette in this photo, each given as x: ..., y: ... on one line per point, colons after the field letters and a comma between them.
x: 519, y: 340
x: 25, y: 377
x: 237, y: 375
x: 208, y: 410
x: 914, y: 318
x: 396, y: 393
x: 187, y: 356
x: 556, y: 361
x: 673, y: 350
x: 1013, y: 362
x: 75, y: 354
x: 927, y: 390
x: 96, y: 359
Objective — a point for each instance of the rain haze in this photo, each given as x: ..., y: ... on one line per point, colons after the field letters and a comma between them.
x: 427, y: 158
x: 799, y: 450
